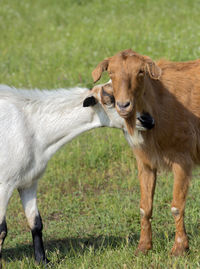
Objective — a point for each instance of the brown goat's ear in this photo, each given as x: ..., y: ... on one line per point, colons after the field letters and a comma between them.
x: 153, y: 70
x: 101, y: 67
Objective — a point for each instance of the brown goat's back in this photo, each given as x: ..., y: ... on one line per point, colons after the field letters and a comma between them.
x: 174, y: 101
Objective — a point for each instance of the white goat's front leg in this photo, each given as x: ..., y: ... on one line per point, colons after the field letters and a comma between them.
x: 29, y: 201
x: 5, y: 195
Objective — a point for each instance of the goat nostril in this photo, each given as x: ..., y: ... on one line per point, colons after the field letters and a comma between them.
x: 127, y: 104
x: 123, y: 105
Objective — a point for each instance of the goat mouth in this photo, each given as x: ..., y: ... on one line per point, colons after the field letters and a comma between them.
x: 124, y: 114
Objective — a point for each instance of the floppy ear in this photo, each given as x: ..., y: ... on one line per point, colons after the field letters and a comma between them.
x: 153, y: 70
x: 101, y: 67
x: 90, y: 101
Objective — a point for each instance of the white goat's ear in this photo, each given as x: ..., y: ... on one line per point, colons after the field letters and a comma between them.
x: 90, y: 101
x: 101, y: 67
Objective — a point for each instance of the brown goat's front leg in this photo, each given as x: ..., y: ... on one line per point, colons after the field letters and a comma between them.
x: 181, y: 183
x: 147, y: 177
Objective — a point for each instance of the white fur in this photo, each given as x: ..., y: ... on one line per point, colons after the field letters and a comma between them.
x: 175, y: 211
x: 142, y: 212
x: 134, y: 140
x: 33, y: 126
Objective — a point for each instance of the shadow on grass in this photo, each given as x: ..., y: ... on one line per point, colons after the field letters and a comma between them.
x: 70, y: 246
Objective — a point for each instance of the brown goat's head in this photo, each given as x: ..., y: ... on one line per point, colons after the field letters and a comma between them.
x: 127, y: 70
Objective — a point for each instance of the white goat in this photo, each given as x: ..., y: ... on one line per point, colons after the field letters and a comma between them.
x: 33, y: 126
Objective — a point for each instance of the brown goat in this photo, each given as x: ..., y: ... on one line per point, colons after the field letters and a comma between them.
x: 170, y: 92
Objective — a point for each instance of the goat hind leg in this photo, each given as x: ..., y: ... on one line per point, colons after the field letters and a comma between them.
x: 29, y: 200
x: 181, y: 184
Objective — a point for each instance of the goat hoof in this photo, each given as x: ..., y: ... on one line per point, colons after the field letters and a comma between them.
x: 141, y: 249
x: 178, y: 250
x: 44, y: 262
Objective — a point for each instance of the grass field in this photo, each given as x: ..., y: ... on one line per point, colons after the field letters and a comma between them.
x: 89, y: 195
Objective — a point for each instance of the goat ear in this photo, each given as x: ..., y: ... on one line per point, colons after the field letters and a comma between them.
x: 153, y: 70
x: 90, y: 101
x: 101, y: 67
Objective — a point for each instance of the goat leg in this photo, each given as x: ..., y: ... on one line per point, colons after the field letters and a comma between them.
x: 147, y: 177
x: 181, y: 184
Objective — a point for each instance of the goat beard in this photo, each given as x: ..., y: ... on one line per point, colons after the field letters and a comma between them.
x: 131, y: 122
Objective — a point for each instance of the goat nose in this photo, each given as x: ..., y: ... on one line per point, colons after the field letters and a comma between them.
x: 123, y: 105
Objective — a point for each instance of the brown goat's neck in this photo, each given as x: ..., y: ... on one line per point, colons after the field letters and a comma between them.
x: 148, y: 101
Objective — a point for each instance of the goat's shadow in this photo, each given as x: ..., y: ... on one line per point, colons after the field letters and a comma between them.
x: 73, y: 246
x: 70, y: 246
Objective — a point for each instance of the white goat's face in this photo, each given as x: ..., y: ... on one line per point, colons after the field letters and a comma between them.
x: 103, y: 94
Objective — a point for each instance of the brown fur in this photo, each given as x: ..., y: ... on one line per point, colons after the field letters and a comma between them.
x: 170, y: 92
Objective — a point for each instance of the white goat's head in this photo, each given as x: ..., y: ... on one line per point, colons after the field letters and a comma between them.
x: 103, y: 94
x: 102, y: 100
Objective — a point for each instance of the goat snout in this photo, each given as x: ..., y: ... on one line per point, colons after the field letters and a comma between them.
x: 123, y: 105
x: 124, y: 108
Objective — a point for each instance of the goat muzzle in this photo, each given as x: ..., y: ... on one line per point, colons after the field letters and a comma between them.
x: 124, y: 109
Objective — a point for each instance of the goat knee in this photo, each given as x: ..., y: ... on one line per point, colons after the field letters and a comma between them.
x: 38, y: 226
x: 145, y: 213
x: 175, y: 211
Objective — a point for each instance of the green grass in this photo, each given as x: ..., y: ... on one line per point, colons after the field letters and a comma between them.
x: 89, y: 195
